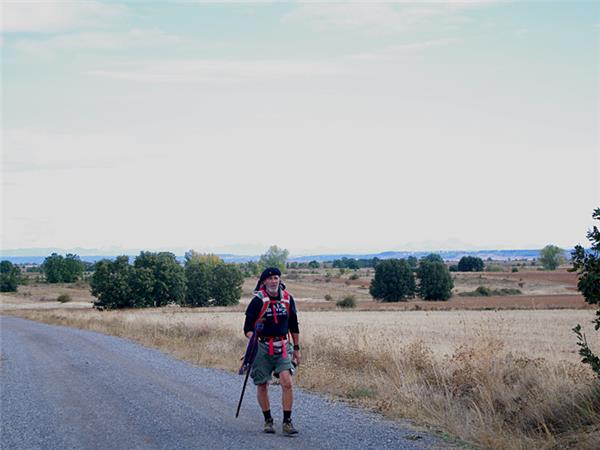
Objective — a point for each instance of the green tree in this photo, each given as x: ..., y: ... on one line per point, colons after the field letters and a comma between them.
x: 412, y: 262
x: 587, y: 265
x: 199, y: 282
x: 551, y: 257
x: 393, y: 281
x: 435, y: 281
x: 470, y: 264
x: 53, y: 267
x: 227, y: 284
x: 433, y: 257
x: 59, y: 269
x: 73, y: 268
x: 274, y: 257
x: 110, y: 283
x: 209, y: 281
x: 10, y: 276
x: 167, y: 277
x: 314, y: 264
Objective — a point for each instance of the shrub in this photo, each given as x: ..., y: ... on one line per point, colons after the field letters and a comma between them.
x: 514, y: 269
x: 347, y: 302
x: 63, y: 298
x: 484, y: 291
x: 354, y: 276
x: 328, y: 297
x: 494, y: 268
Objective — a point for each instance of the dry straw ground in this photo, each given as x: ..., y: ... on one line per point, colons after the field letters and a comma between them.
x: 507, y: 379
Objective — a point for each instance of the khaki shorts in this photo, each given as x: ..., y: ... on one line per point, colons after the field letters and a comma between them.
x: 265, y: 365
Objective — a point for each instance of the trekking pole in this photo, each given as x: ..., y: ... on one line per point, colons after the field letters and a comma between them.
x: 248, y: 361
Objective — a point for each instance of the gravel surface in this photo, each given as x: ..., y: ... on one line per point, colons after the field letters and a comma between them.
x: 64, y: 388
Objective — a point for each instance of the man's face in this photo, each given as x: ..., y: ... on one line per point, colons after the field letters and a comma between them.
x: 272, y: 283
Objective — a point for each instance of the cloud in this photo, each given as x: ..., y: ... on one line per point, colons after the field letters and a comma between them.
x: 379, y: 17
x: 215, y: 71
x: 395, y: 50
x: 53, y: 16
x: 135, y: 38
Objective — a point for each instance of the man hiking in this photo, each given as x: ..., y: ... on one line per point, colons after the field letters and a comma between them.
x: 275, y: 308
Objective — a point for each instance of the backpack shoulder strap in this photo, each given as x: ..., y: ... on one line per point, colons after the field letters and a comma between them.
x: 265, y: 299
x: 285, y: 299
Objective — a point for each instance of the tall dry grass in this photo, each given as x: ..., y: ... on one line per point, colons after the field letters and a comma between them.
x: 453, y: 371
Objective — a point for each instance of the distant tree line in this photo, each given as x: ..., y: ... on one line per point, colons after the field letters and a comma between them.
x: 400, y: 279
x: 354, y: 263
x: 157, y: 279
x: 314, y: 264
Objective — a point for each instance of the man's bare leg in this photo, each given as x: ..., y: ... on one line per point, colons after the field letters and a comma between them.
x: 262, y: 394
x: 287, y: 397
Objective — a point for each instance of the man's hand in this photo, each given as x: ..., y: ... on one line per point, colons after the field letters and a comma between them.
x: 249, y: 334
x: 297, y: 356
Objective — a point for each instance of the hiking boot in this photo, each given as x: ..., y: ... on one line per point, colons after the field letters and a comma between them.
x: 269, y: 428
x: 288, y: 428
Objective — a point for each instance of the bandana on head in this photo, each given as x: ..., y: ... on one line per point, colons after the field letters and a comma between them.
x: 268, y: 272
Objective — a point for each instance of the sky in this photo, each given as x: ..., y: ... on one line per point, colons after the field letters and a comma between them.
x: 318, y: 127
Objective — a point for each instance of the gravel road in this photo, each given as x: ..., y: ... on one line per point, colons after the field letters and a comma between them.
x: 63, y: 388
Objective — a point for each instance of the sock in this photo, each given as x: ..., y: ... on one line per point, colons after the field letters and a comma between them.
x: 267, y: 414
x: 287, y: 416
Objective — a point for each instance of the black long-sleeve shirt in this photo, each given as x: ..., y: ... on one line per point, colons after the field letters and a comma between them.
x: 272, y: 329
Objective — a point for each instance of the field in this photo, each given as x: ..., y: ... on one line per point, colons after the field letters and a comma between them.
x: 498, y: 372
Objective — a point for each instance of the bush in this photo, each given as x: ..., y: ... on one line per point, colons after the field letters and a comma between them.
x: 63, y: 298
x: 393, y: 281
x: 494, y: 268
x: 354, y: 276
x: 435, y: 281
x: 514, y: 269
x: 328, y: 297
x: 347, y: 302
x: 484, y: 291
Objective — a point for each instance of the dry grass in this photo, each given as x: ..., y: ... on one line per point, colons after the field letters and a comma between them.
x: 503, y: 380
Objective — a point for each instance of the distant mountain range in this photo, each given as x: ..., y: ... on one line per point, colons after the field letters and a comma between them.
x: 447, y: 255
